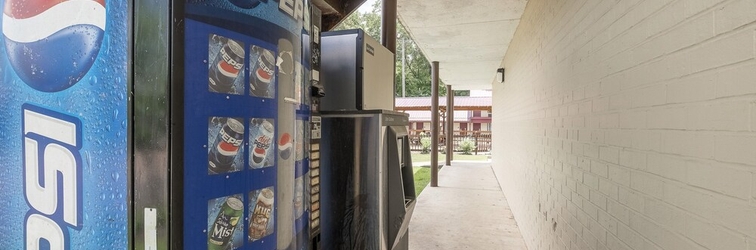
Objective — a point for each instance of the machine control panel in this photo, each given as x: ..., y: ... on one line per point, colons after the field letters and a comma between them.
x: 317, y: 91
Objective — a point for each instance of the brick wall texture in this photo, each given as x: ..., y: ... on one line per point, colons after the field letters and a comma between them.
x: 630, y: 124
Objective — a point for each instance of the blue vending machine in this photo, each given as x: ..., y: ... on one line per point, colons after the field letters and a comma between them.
x: 142, y: 124
x: 64, y: 102
x: 245, y: 111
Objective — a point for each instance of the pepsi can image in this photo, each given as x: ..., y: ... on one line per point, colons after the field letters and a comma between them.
x: 262, y: 77
x: 228, y: 141
x: 226, y: 66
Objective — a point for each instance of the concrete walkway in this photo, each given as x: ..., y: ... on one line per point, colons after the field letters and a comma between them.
x: 467, y: 210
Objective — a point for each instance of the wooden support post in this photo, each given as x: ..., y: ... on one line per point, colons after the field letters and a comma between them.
x: 449, y: 127
x: 476, y: 142
x: 388, y: 35
x: 434, y: 124
x: 388, y: 25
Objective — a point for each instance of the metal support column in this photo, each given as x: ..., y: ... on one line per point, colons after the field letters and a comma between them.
x: 388, y: 35
x: 388, y: 25
x: 451, y: 117
x: 434, y: 124
x: 449, y: 125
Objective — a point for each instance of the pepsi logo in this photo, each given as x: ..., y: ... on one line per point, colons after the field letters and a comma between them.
x: 284, y: 146
x: 247, y: 4
x: 52, y: 44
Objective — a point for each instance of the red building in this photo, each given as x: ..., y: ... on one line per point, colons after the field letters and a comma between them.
x: 470, y: 113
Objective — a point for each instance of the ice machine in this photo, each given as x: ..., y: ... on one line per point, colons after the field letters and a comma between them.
x: 367, y: 184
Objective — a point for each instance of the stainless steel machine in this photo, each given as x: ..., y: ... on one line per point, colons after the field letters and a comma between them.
x: 367, y: 182
x: 366, y: 177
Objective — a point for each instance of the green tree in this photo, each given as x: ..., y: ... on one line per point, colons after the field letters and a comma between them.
x: 416, y: 66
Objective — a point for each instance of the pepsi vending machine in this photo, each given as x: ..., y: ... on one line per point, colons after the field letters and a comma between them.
x: 140, y: 124
x: 244, y: 107
x: 64, y: 103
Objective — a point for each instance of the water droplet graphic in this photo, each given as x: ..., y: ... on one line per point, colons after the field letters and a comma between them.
x: 88, y: 159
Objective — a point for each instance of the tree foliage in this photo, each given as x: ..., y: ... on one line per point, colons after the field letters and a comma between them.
x: 417, y: 69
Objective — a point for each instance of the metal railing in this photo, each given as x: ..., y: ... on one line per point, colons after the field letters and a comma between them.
x: 480, y: 140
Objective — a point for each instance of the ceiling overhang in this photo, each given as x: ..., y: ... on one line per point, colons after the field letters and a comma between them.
x: 468, y: 38
x: 334, y: 11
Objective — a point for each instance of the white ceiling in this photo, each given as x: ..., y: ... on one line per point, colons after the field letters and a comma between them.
x: 467, y: 38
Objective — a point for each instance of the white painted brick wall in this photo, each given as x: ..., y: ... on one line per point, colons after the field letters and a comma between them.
x: 630, y: 124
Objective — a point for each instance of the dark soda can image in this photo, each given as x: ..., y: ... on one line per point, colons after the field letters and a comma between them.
x: 262, y: 76
x: 261, y: 213
x: 225, y: 139
x: 262, y: 143
x: 226, y: 64
x: 226, y: 213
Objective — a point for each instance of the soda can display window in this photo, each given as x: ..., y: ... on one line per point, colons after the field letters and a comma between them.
x: 226, y: 57
x: 225, y: 222
x: 261, y: 213
x: 225, y: 145
x: 262, y: 76
x: 262, y: 146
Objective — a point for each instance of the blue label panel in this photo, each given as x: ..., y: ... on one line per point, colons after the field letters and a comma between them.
x: 63, y: 99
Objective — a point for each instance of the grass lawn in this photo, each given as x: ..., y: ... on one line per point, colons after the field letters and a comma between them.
x: 418, y: 157
x: 422, y: 178
x: 422, y: 174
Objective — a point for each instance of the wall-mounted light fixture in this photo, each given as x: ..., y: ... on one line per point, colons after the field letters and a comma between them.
x: 500, y: 75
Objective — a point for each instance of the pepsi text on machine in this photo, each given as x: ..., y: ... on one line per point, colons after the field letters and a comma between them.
x: 34, y: 31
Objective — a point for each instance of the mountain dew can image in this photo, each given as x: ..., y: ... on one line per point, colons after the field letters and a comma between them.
x: 222, y: 230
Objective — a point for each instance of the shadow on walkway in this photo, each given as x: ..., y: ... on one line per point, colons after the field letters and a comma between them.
x: 467, y: 210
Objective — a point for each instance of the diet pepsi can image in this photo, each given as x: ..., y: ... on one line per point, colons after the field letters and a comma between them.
x: 262, y: 77
x: 221, y: 232
x: 226, y: 146
x: 226, y: 65
x: 261, y: 143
